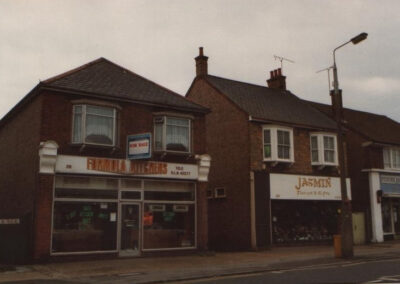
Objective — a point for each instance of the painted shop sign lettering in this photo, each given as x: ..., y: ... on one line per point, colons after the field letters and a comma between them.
x: 306, y: 187
x: 388, y: 179
x: 92, y: 165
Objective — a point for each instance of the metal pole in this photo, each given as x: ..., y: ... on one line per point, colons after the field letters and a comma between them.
x: 346, y: 226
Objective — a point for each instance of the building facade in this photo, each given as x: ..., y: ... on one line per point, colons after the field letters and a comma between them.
x: 101, y: 161
x: 274, y: 178
x: 373, y: 148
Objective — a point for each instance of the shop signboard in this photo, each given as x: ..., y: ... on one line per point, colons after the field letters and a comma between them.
x: 139, y: 146
x: 300, y: 187
x: 390, y: 185
x: 106, y: 166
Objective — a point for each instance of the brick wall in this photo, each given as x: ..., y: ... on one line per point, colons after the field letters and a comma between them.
x: 227, y: 143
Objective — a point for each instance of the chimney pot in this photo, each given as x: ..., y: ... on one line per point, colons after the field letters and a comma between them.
x: 201, y: 51
x: 277, y: 80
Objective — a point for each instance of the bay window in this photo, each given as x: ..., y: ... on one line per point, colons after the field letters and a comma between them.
x: 278, y: 144
x: 391, y: 158
x: 172, y: 134
x: 94, y: 125
x: 323, y: 148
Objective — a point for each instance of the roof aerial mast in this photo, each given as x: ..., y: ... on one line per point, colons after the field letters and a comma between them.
x: 281, y: 59
x: 329, y: 77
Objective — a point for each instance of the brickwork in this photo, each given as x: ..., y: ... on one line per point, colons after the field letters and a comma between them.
x: 19, y: 140
x: 202, y: 225
x: 43, y: 217
x: 227, y: 143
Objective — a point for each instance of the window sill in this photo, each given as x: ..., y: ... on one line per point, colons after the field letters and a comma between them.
x: 323, y: 165
x: 82, y: 146
x: 275, y: 162
x: 173, y: 153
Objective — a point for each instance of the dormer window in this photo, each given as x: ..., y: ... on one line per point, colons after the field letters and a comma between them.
x: 278, y: 144
x: 94, y: 125
x: 172, y: 134
x: 323, y: 147
x: 391, y: 158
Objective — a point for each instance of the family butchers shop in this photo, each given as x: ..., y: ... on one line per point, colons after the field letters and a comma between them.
x: 125, y: 207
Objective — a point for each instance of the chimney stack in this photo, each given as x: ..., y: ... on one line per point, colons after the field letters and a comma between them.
x: 201, y: 63
x: 277, y: 80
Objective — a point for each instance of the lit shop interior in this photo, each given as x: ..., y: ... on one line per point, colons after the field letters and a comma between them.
x: 128, y: 216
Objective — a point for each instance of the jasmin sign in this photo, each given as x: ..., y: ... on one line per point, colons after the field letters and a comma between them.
x: 306, y: 187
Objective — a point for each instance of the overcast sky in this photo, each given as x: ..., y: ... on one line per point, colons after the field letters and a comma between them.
x: 159, y: 39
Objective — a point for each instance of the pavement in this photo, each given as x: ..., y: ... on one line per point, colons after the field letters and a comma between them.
x: 197, y: 266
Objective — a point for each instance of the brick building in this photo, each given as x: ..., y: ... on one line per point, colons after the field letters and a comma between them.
x: 274, y: 178
x: 99, y: 160
x: 373, y: 143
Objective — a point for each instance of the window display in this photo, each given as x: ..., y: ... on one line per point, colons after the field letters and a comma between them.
x: 168, y: 226
x: 304, y: 221
x: 84, y: 226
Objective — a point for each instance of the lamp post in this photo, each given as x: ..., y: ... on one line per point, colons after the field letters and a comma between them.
x: 346, y: 227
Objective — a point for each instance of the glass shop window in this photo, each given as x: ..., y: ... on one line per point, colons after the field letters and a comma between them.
x: 84, y: 226
x: 168, y: 226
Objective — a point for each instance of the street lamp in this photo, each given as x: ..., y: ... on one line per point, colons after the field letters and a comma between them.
x: 346, y: 228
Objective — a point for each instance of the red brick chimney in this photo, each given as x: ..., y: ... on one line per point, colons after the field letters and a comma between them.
x: 277, y: 80
x: 201, y: 63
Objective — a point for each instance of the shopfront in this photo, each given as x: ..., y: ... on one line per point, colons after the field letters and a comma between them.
x: 123, y: 207
x: 304, y: 208
x: 390, y: 205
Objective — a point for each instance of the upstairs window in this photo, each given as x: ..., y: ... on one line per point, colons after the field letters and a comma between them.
x: 391, y: 158
x: 172, y: 134
x: 278, y: 144
x: 94, y: 125
x: 323, y: 149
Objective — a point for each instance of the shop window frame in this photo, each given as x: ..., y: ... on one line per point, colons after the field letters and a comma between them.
x: 274, y: 144
x: 322, y: 162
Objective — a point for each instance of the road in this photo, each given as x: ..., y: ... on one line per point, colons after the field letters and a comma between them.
x: 371, y: 271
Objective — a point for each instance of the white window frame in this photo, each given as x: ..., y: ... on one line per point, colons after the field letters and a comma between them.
x: 164, y: 133
x: 390, y: 164
x: 274, y: 143
x: 321, y: 149
x: 83, y: 125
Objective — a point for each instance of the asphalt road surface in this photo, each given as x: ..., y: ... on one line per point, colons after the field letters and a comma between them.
x: 375, y: 271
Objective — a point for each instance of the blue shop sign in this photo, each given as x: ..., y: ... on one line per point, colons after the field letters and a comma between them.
x: 390, y: 184
x: 139, y: 146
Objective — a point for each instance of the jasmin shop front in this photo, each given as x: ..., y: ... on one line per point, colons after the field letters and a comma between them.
x: 124, y: 207
x: 304, y: 209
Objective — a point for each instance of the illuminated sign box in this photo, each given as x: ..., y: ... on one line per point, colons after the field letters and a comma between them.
x: 139, y: 146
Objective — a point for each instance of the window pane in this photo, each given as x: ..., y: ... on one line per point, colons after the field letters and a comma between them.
x: 99, y: 129
x: 283, y: 152
x: 386, y: 158
x: 329, y: 143
x: 267, y: 143
x: 97, y: 110
x: 77, y: 136
x: 84, y: 226
x: 168, y: 226
x: 329, y: 156
x: 165, y: 195
x: 158, y: 132
x: 396, y: 158
x: 283, y: 144
x: 177, y: 121
x: 178, y: 138
x: 314, y: 149
x: 86, y: 193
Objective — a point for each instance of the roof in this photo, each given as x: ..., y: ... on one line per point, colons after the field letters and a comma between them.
x: 105, y: 78
x: 273, y: 105
x: 375, y: 127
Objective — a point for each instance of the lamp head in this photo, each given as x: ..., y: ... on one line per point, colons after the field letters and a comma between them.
x: 359, y: 38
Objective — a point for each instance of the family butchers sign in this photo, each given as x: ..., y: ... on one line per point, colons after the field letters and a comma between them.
x: 306, y: 187
x: 91, y: 165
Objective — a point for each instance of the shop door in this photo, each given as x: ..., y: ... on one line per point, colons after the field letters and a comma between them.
x: 358, y: 228
x: 130, y: 229
x: 396, y: 217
